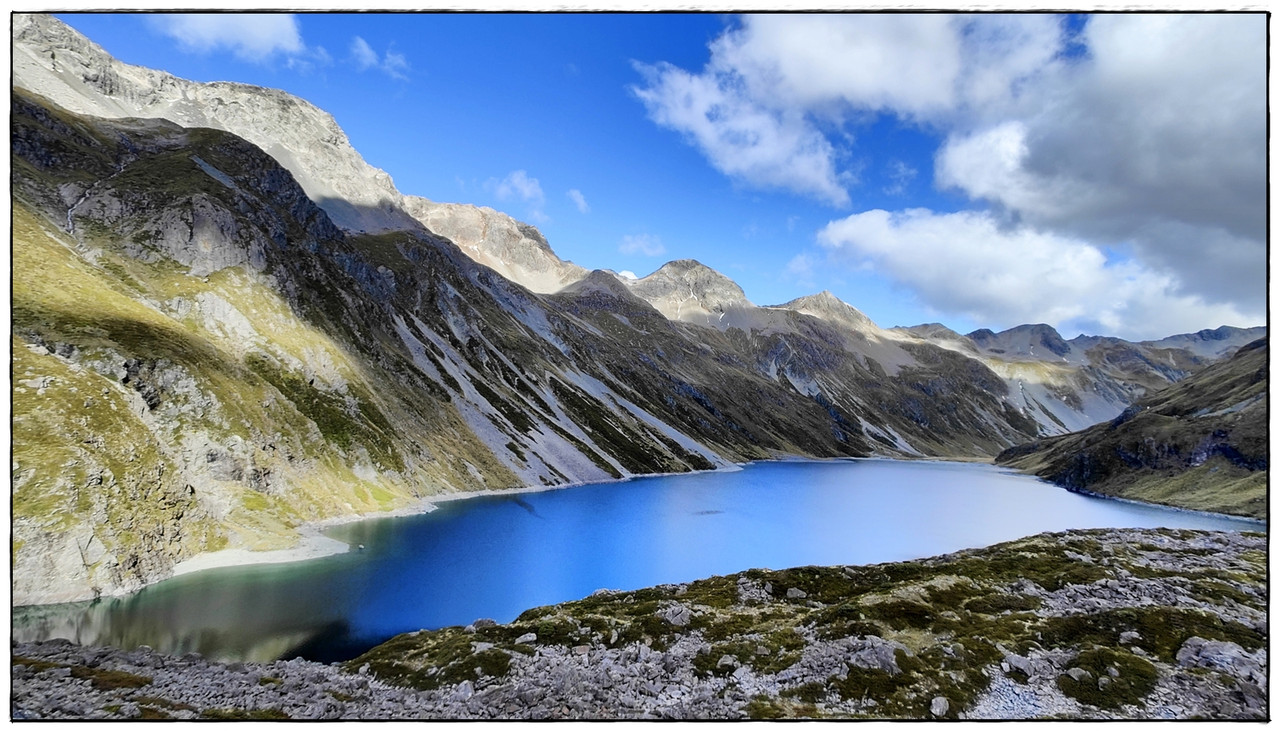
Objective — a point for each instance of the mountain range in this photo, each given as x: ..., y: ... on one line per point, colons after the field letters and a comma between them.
x: 1200, y: 443
x: 226, y: 324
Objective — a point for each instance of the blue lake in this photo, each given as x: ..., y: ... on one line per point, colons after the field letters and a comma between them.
x: 496, y: 556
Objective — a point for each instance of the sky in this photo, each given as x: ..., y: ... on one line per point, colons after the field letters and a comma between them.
x: 1105, y: 174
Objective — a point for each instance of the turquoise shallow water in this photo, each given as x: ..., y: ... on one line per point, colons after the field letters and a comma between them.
x: 497, y: 556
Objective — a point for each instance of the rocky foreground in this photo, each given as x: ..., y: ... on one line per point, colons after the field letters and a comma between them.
x: 1129, y: 624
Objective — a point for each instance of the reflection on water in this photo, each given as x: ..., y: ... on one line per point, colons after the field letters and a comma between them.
x: 250, y: 613
x: 498, y: 556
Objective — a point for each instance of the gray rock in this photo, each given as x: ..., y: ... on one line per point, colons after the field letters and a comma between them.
x: 677, y: 614
x: 795, y: 593
x: 876, y: 653
x: 463, y: 692
x: 527, y: 638
x: 1223, y: 656
x: 939, y: 706
x: 1079, y: 674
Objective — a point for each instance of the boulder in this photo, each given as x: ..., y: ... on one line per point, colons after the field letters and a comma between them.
x: 676, y: 614
x: 1079, y: 674
x: 875, y: 652
x: 1223, y: 656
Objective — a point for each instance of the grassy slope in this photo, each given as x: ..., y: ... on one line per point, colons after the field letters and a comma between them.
x: 96, y: 468
x: 1199, y: 444
x: 957, y: 615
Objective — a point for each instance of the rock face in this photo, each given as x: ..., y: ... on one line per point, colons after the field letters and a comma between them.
x: 514, y: 250
x: 77, y: 75
x: 226, y: 324
x: 689, y: 291
x: 1067, y: 385
x: 827, y: 306
x: 1201, y: 443
x: 1111, y: 624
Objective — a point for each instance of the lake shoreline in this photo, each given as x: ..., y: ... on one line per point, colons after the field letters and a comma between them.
x: 313, y: 543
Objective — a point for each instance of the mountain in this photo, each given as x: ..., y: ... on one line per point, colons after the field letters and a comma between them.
x: 78, y: 75
x: 690, y: 291
x: 514, y: 250
x: 1067, y: 385
x: 1217, y: 343
x: 226, y: 325
x: 1199, y: 444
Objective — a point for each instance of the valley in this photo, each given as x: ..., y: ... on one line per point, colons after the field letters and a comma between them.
x: 229, y: 330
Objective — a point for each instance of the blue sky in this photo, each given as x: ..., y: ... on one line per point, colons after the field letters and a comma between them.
x: 1104, y: 174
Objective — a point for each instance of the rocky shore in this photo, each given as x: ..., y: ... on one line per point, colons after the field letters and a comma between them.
x: 1105, y: 624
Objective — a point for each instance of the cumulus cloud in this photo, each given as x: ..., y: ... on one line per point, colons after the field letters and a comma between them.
x: 579, y: 200
x: 749, y: 142
x: 252, y: 37
x: 1157, y: 140
x: 518, y: 186
x: 646, y: 244
x: 969, y: 264
x: 1142, y: 136
x: 759, y: 108
x: 391, y: 63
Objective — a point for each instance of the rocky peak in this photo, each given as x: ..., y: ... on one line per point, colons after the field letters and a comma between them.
x: 930, y: 331
x: 827, y: 306
x: 511, y: 248
x: 1215, y: 343
x: 1038, y: 341
x: 599, y: 280
x: 55, y: 61
x: 689, y: 290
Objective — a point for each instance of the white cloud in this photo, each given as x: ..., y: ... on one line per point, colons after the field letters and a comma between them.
x: 363, y: 54
x: 802, y: 270
x: 646, y: 244
x: 759, y: 107
x: 1157, y: 140
x: 745, y: 140
x: 966, y: 263
x: 392, y: 64
x: 518, y: 185
x: 900, y: 176
x: 579, y: 200
x: 395, y: 65
x: 1141, y: 135
x: 252, y: 37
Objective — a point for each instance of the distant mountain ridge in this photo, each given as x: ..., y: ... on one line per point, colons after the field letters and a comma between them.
x: 1200, y: 443
x: 220, y: 334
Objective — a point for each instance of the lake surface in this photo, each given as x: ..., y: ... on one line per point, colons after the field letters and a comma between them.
x: 496, y: 556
